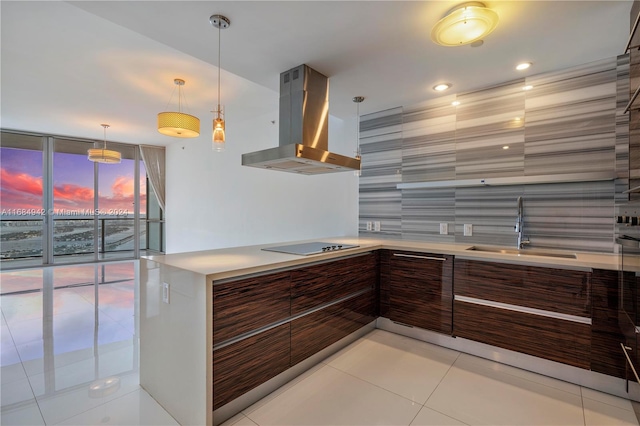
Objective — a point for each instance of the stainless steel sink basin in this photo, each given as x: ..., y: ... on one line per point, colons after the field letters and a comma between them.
x: 522, y: 252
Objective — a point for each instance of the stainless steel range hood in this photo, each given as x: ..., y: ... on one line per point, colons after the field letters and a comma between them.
x: 304, y: 128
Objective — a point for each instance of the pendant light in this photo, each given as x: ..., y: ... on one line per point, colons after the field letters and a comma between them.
x: 178, y: 124
x: 104, y: 155
x: 358, y: 100
x: 218, y: 138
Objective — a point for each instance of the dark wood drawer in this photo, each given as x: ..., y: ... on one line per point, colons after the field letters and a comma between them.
x: 548, y: 289
x: 242, y: 366
x: 319, y: 284
x: 420, y: 290
x: 551, y: 338
x: 320, y: 329
x: 248, y: 304
x: 429, y: 311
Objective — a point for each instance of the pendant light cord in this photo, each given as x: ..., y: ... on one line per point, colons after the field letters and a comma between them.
x: 104, y: 146
x: 219, y: 44
x: 357, y: 129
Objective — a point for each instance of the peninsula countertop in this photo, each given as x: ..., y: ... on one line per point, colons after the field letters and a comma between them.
x: 232, y: 262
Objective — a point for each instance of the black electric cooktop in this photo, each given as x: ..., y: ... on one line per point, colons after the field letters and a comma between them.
x: 306, y: 249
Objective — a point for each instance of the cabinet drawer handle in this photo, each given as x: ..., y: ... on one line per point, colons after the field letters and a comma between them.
x: 624, y: 349
x: 633, y: 32
x: 632, y: 100
x: 413, y: 256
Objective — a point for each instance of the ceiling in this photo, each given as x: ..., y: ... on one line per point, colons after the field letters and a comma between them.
x: 69, y: 66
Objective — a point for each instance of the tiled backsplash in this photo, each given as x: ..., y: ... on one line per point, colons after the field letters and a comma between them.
x: 570, y: 121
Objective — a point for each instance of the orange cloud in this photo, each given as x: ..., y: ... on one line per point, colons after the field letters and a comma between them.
x: 71, y: 196
x: 20, y: 190
x: 23, y: 191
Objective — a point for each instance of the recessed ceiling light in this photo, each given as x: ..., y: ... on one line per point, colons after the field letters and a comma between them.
x: 442, y: 86
x: 527, y: 87
x: 455, y: 103
x: 523, y: 66
x: 505, y: 147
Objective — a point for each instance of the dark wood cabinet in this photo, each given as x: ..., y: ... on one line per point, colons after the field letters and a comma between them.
x: 544, y: 312
x: 606, y: 354
x: 240, y: 306
x: 302, y: 310
x: 315, y: 285
x: 242, y: 366
x: 420, y: 289
x: 550, y: 289
x: 314, y: 332
x: 551, y: 338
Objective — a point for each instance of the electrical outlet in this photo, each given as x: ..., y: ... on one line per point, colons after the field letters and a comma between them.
x: 369, y: 226
x: 165, y: 292
x: 444, y: 228
x: 468, y: 229
x: 376, y: 226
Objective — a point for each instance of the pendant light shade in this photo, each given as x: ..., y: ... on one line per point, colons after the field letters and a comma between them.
x: 218, y: 136
x: 464, y: 24
x: 104, y: 155
x: 178, y: 124
x: 218, y: 132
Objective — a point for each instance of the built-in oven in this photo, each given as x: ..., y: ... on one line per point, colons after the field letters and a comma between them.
x: 628, y: 307
x: 628, y: 245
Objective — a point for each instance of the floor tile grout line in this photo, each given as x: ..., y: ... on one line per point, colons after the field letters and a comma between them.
x: 584, y: 415
x: 606, y: 403
x: 250, y: 419
x: 375, y: 385
x: 442, y: 378
x: 243, y: 412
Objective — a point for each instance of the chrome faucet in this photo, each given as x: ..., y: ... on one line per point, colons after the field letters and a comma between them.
x: 520, y: 225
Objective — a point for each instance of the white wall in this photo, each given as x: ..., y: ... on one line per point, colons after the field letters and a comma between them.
x: 214, y: 202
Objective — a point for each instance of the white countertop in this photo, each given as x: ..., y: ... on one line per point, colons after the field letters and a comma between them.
x: 236, y: 261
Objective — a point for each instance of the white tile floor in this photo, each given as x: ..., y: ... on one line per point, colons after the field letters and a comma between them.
x: 384, y: 378
x: 69, y: 348
x: 69, y: 355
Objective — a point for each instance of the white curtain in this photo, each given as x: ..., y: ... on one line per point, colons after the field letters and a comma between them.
x: 153, y: 157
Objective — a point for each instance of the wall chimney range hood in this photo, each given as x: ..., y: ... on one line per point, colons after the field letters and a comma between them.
x: 304, y: 129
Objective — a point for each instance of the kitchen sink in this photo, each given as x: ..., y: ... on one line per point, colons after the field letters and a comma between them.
x: 522, y: 252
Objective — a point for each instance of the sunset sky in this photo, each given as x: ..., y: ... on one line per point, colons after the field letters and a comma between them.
x: 21, y: 182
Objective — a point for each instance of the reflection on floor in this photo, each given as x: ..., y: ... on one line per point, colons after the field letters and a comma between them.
x: 69, y: 347
x: 69, y: 355
x: 384, y: 378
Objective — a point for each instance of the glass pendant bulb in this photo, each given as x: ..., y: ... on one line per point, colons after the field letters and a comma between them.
x: 218, y: 133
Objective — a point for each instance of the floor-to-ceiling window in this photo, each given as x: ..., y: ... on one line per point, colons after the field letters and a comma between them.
x: 21, y: 198
x: 58, y: 207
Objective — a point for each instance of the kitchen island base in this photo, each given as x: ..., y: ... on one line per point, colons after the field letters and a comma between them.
x: 237, y: 405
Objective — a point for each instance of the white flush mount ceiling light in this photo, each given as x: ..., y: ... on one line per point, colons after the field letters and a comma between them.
x: 523, y: 66
x: 177, y: 123
x: 104, y: 155
x: 441, y: 87
x: 218, y: 138
x: 464, y: 24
